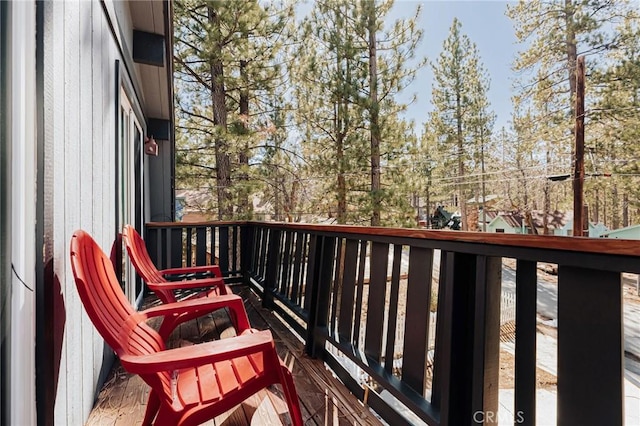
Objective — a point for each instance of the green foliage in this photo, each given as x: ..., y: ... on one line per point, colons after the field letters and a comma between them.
x: 227, y: 64
x: 460, y: 126
x: 553, y: 35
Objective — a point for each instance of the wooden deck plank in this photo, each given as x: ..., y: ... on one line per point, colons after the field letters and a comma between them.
x: 319, y: 391
x: 323, y: 399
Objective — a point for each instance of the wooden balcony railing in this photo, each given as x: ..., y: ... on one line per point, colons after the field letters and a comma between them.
x: 362, y: 300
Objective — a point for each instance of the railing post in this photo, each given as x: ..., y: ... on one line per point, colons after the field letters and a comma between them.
x: 272, y: 268
x: 246, y: 251
x: 486, y: 341
x: 175, y: 247
x: 525, y: 362
x: 320, y: 275
x: 467, y: 366
x: 590, y: 347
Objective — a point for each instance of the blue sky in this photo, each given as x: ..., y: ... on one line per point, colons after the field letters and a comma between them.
x: 485, y: 23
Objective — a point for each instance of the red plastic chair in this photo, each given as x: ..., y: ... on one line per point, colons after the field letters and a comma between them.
x: 189, y: 385
x: 156, y: 279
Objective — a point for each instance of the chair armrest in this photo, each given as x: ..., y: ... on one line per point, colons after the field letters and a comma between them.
x: 198, y: 283
x: 200, y: 354
x: 204, y: 305
x: 213, y: 269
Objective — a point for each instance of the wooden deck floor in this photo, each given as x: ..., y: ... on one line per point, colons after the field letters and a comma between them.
x: 323, y: 399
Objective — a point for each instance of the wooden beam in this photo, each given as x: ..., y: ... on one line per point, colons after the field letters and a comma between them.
x: 578, y: 171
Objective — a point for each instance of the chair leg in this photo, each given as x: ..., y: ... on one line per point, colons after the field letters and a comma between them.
x: 291, y: 396
x: 169, y: 323
x: 153, y: 403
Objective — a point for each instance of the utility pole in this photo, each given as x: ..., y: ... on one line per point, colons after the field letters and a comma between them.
x: 578, y: 170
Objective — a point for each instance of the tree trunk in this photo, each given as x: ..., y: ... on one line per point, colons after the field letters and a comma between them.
x: 218, y: 98
x: 547, y: 199
x: 483, y: 218
x: 615, y: 208
x: 245, y: 206
x: 462, y: 202
x: 374, y: 111
x: 625, y: 210
x: 596, y: 204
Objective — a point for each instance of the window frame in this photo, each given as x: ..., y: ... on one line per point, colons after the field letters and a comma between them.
x: 129, y: 176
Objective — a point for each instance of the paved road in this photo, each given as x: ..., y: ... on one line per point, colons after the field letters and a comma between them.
x: 548, y: 303
x: 548, y: 306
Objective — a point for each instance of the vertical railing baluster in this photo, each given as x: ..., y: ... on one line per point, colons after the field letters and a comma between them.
x: 486, y: 341
x: 525, y: 358
x: 302, y: 301
x: 345, y: 322
x: 234, y: 250
x: 313, y: 254
x: 393, y: 309
x: 154, y: 244
x: 590, y: 347
x: 263, y: 253
x: 375, y: 303
x: 164, y: 247
x: 201, y: 246
x: 298, y: 258
x: 416, y: 332
x: 320, y: 288
x: 359, y: 292
x: 175, y: 247
x: 223, y: 251
x: 247, y: 245
x: 273, y: 255
x: 286, y: 263
x: 454, y: 318
x: 441, y: 356
x: 188, y: 246
x: 337, y: 286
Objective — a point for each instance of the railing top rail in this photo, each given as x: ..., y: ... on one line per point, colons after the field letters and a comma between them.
x: 542, y: 242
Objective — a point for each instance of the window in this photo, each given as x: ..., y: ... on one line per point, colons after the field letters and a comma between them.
x: 130, y: 183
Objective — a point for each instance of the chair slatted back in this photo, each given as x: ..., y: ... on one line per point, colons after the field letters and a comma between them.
x: 108, y: 307
x: 141, y: 260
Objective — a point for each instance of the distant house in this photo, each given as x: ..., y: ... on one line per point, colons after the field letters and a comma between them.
x: 515, y: 222
x: 628, y: 233
x: 506, y: 222
x: 595, y: 229
x: 194, y: 205
x: 556, y: 221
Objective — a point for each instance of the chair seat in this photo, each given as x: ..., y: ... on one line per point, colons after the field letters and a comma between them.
x: 212, y: 382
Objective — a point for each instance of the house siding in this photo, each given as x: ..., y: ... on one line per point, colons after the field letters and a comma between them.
x: 500, y: 223
x: 80, y: 53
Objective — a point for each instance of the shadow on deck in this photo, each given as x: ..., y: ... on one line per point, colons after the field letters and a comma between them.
x: 323, y: 399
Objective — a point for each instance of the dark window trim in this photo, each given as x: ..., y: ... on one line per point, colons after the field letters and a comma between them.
x: 5, y: 228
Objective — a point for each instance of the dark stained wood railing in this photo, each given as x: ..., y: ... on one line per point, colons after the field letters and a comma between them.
x: 361, y: 299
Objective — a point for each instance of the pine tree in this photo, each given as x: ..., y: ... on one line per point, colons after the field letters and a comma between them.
x: 388, y: 74
x: 461, y: 121
x: 555, y: 33
x: 224, y: 54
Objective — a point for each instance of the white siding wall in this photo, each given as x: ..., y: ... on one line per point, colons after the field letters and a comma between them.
x: 22, y: 135
x: 79, y: 102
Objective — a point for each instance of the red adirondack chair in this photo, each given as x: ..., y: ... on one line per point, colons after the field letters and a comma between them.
x: 156, y: 279
x: 189, y: 385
